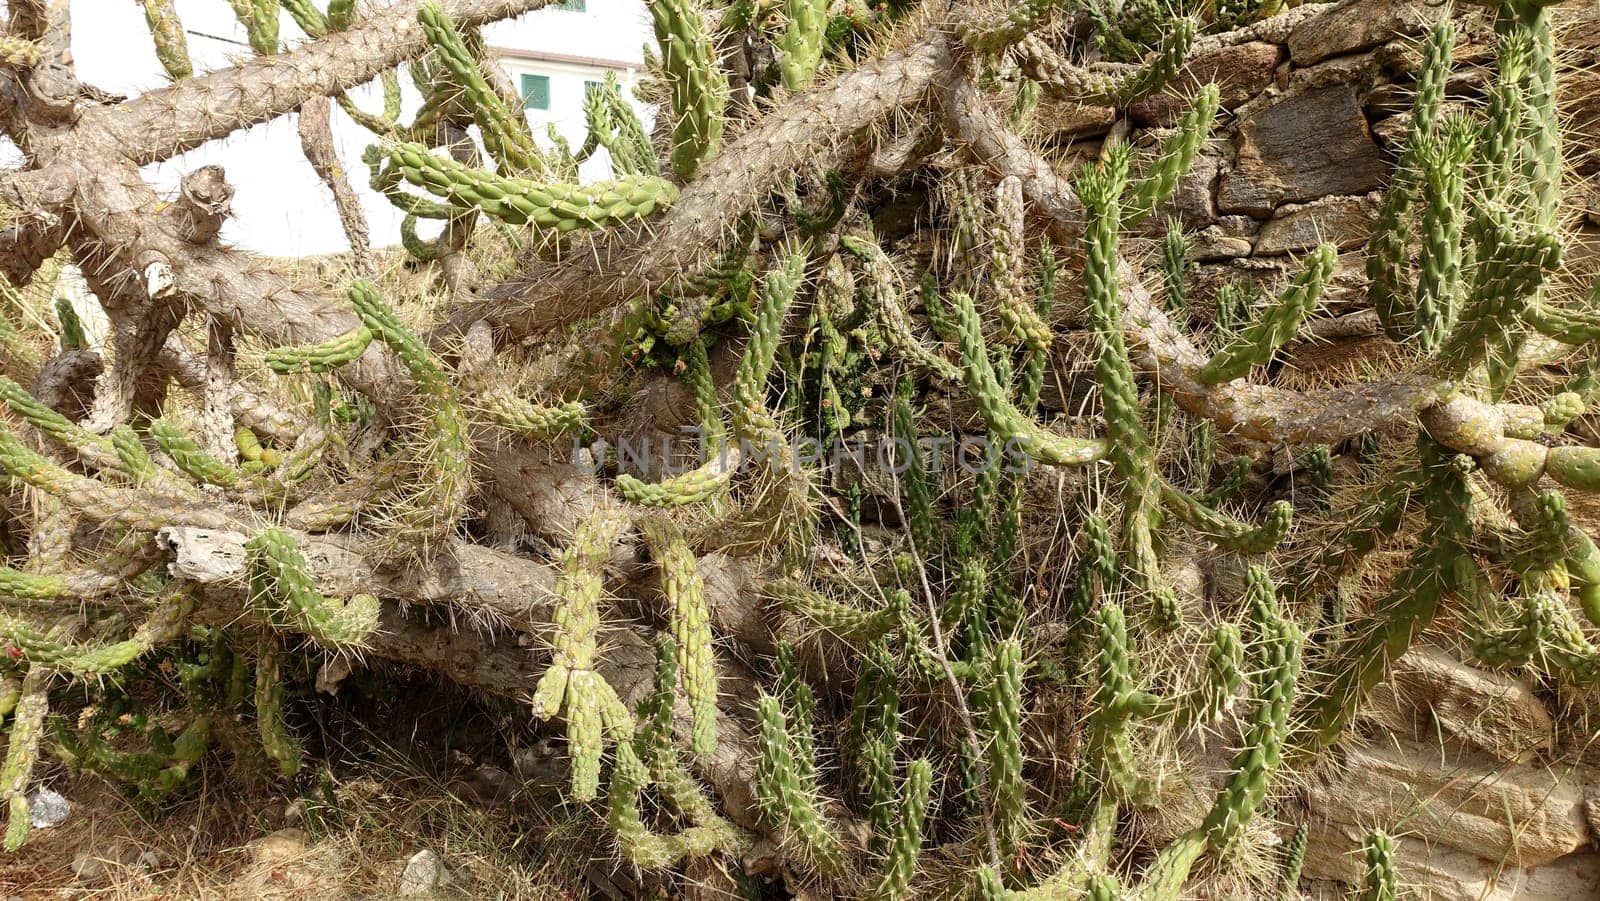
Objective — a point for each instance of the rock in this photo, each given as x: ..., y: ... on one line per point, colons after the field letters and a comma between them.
x: 1212, y: 244
x: 1431, y: 692
x: 424, y: 874
x: 1346, y: 222
x: 110, y: 862
x: 280, y: 847
x: 47, y: 809
x: 1356, y: 25
x: 1238, y: 226
x: 1468, y: 801
x: 1334, y: 852
x: 1302, y: 146
x: 1240, y: 72
x: 1063, y: 120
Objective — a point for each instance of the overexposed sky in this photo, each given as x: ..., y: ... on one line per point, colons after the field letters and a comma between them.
x: 280, y: 207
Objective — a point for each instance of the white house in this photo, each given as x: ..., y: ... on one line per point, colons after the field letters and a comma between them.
x: 280, y: 207
x: 556, y: 55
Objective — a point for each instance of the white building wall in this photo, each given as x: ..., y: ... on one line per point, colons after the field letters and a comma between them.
x: 280, y: 207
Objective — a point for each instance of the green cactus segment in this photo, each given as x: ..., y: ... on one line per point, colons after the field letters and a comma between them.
x: 560, y: 206
x: 1443, y: 162
x: 1005, y: 420
x: 22, y: 752
x: 871, y: 737
x: 21, y: 53
x: 48, y: 421
x: 907, y: 842
x: 614, y: 125
x: 1253, y: 768
x: 1256, y: 344
x: 1379, y: 882
x: 1096, y: 572
x: 130, y: 452
x: 1176, y: 248
x: 1224, y: 529
x: 167, y: 29
x: 751, y: 421
x: 1030, y: 382
x: 788, y: 799
x: 321, y: 357
x: 504, y: 130
x: 1003, y: 717
x: 915, y: 480
x: 1155, y: 73
x: 1582, y: 561
x: 385, y: 123
x: 260, y: 21
x: 1022, y: 19
x: 1177, y: 155
x: 1223, y: 676
x: 571, y: 678
x: 704, y: 483
x: 531, y: 420
x: 32, y: 586
x: 1388, y: 249
x: 1128, y: 445
x: 691, y: 630
x: 1511, y: 271
x: 1439, y: 567
x: 307, y: 16
x: 72, y: 334
x: 438, y: 503
x: 1574, y: 467
x: 281, y: 581
x: 1294, y: 859
x: 699, y: 87
x: 850, y: 623
x: 275, y: 738
x: 1116, y: 700
x: 889, y: 309
x: 46, y: 651
x: 1566, y: 326
x: 1007, y: 263
x: 188, y: 456
x: 801, y: 44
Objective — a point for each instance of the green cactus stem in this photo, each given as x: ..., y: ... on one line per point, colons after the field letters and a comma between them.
x: 1005, y: 421
x: 787, y: 798
x: 22, y: 752
x: 698, y: 85
x: 1256, y: 344
x: 276, y: 740
x: 321, y: 357
x: 1380, y: 882
x: 907, y: 843
x: 281, y: 581
x: 1176, y: 157
x: 558, y: 206
x: 504, y: 130
x: 691, y: 629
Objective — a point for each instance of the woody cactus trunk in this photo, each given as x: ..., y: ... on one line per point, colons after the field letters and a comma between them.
x: 916, y: 616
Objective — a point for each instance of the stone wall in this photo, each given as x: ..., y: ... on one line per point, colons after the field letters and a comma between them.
x: 1490, y: 792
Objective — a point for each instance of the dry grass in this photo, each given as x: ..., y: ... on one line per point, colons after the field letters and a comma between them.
x: 231, y: 842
